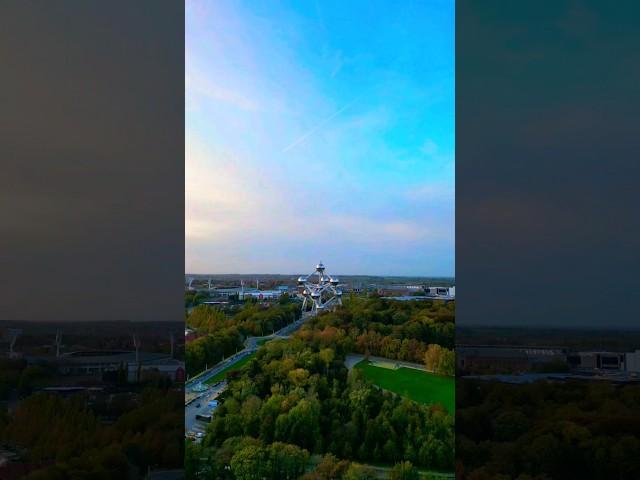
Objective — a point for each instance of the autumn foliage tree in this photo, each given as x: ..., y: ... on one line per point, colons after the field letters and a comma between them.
x: 440, y: 360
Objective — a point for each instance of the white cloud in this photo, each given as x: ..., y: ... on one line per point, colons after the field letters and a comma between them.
x: 231, y: 211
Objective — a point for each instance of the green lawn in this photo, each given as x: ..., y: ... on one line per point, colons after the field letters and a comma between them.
x: 417, y: 385
x: 234, y: 366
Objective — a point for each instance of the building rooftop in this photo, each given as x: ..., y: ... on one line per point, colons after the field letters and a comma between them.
x: 90, y: 357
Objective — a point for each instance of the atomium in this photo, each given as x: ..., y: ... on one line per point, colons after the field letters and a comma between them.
x: 319, y: 291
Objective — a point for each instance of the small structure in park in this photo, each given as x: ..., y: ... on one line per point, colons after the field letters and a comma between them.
x: 319, y: 291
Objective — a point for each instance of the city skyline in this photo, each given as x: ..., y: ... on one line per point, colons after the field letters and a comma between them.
x: 319, y: 131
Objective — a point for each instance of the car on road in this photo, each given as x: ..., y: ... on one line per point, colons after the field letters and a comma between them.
x: 203, y: 418
x: 197, y: 405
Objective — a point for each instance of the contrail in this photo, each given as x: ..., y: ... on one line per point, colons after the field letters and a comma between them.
x: 319, y: 125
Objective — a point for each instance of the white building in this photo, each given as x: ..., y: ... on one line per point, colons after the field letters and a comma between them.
x: 262, y: 294
x: 632, y: 361
x: 447, y: 292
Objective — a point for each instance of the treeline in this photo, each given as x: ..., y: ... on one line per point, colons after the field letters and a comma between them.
x: 257, y: 320
x: 191, y: 299
x: 65, y: 434
x: 547, y: 430
x: 252, y: 319
x: 300, y: 393
x: 210, y: 349
x: 224, y: 335
x: 16, y: 374
x: 397, y: 330
x: 247, y: 458
x: 426, y: 321
x: 440, y: 360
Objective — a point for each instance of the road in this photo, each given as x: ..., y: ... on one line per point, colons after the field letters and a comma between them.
x: 219, y: 367
x: 191, y: 409
x: 251, y: 345
x: 201, y: 407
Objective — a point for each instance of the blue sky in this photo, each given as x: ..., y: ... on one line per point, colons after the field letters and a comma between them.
x: 320, y: 130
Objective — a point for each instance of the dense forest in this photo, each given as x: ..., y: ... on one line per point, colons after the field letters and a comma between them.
x: 547, y: 431
x: 391, y: 329
x: 300, y: 393
x: 223, y: 334
x: 65, y: 435
x: 297, y: 401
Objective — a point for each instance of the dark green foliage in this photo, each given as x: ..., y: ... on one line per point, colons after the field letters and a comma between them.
x: 391, y: 329
x: 289, y: 394
x: 359, y: 472
x: 224, y: 335
x: 547, y: 430
x: 65, y: 432
x: 404, y: 471
x: 278, y: 461
x: 192, y: 299
x: 297, y: 394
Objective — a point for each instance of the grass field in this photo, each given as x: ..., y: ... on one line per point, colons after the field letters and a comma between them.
x: 234, y: 366
x: 418, y: 385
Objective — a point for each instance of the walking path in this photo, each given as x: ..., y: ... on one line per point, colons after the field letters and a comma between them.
x: 354, y: 358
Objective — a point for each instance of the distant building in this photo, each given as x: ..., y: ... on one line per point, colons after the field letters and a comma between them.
x: 599, y: 361
x: 491, y: 359
x: 355, y: 288
x: 515, y: 359
x: 444, y: 292
x: 632, y: 361
x: 225, y: 292
x: 399, y: 290
x: 409, y: 298
x: 263, y: 294
x: 96, y: 363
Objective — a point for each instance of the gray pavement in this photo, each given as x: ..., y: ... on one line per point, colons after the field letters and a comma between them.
x: 353, y: 359
x: 199, y: 405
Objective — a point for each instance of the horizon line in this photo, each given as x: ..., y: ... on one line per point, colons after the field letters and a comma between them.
x: 341, y: 274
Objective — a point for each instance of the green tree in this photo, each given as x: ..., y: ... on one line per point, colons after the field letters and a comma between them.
x: 250, y: 463
x: 327, y: 355
x: 404, y: 471
x: 287, y: 462
x: 360, y: 472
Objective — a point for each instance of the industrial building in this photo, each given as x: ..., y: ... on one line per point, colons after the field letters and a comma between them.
x: 262, y: 294
x: 399, y: 290
x: 612, y: 361
x: 445, y: 292
x: 485, y: 358
x: 96, y: 363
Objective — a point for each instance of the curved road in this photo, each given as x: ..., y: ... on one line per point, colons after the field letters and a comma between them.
x: 199, y: 405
